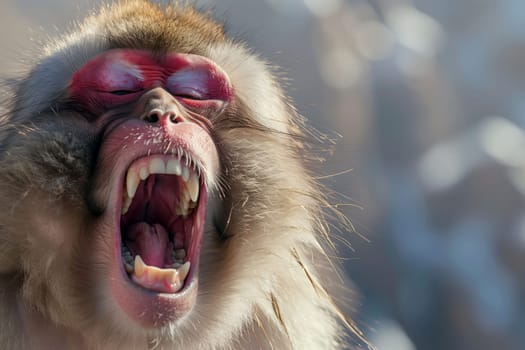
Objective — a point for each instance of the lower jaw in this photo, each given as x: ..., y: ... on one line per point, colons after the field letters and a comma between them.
x: 151, y: 309
x: 146, y: 308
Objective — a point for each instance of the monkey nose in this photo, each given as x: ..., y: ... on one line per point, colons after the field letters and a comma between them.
x: 158, y: 116
x: 160, y: 107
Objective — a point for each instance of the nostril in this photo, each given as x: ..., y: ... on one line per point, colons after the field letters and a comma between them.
x: 153, y: 117
x: 176, y: 118
x: 157, y: 116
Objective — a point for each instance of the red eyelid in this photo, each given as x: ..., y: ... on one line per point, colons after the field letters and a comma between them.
x: 186, y: 76
x: 100, y: 101
x: 197, y: 76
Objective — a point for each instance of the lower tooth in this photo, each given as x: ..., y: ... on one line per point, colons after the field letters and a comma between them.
x: 184, y: 269
x: 155, y: 278
x: 179, y: 254
x: 129, y: 268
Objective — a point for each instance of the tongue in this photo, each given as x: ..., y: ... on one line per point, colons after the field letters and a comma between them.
x: 151, y: 242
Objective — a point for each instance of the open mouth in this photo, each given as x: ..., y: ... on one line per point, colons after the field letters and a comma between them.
x: 163, y: 209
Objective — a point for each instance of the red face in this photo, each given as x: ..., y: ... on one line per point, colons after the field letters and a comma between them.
x: 121, y: 76
x: 156, y: 162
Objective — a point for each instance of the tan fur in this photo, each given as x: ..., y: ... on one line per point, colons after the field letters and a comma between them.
x: 260, y: 279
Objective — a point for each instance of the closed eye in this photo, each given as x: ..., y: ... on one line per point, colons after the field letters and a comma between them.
x: 123, y: 92
x: 189, y: 96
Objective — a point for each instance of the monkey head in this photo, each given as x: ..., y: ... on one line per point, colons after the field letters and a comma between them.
x: 155, y: 195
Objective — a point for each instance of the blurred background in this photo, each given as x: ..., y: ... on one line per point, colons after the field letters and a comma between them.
x: 426, y: 102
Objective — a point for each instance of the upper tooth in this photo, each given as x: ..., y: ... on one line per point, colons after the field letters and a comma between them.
x: 185, y: 173
x: 132, y: 182
x: 156, y: 166
x: 173, y: 167
x: 193, y: 187
x: 126, y: 203
x: 184, y: 204
x: 143, y: 173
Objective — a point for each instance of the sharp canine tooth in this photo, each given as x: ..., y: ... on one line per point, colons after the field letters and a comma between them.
x: 157, y: 166
x: 126, y: 203
x: 185, y: 173
x: 184, y: 207
x: 193, y: 187
x: 132, y: 182
x: 143, y: 173
x: 183, y: 270
x: 173, y: 167
x: 139, y: 266
x: 155, y: 278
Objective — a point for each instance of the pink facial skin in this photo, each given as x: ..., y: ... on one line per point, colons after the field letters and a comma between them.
x: 120, y: 76
x: 167, y: 102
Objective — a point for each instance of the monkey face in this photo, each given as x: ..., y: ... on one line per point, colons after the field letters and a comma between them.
x: 156, y: 162
x: 154, y: 193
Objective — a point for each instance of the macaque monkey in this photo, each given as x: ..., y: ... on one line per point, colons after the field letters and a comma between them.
x: 154, y: 195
